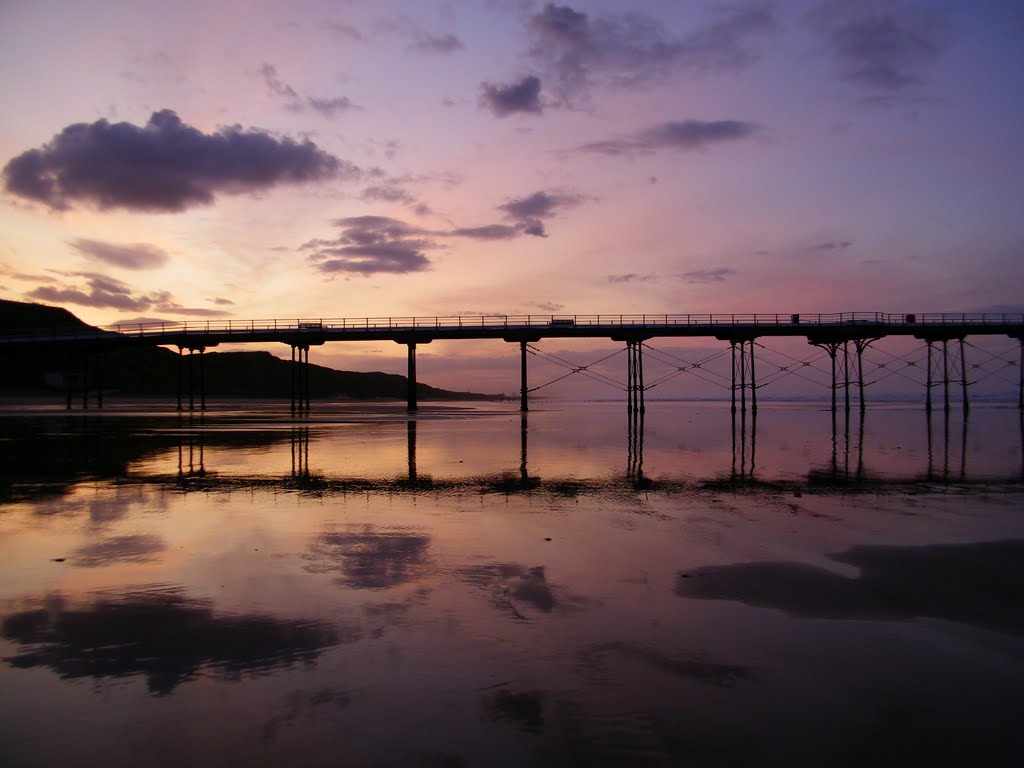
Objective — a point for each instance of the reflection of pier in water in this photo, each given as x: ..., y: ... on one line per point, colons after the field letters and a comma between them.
x: 844, y: 469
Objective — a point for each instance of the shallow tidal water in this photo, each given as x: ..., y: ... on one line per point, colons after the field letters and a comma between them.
x: 473, y: 587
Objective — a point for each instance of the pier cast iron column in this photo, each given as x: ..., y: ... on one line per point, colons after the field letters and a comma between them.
x: 945, y: 374
x: 634, y: 376
x: 743, y: 372
x: 291, y: 372
x: 846, y: 376
x: 629, y: 377
x: 181, y: 363
x: 928, y: 384
x: 753, y: 380
x: 304, y: 351
x: 523, y: 405
x: 963, y: 377
x: 732, y: 387
x: 411, y: 341
x: 299, y: 379
x: 411, y: 378
x: 202, y: 378
x: 191, y: 380
x: 641, y: 387
x: 522, y: 340
x: 861, y: 345
x: 743, y: 378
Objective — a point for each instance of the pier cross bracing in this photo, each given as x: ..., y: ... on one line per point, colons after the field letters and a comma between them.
x: 843, y: 337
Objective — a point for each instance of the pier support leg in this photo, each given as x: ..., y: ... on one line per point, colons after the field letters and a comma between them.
x: 298, y: 379
x: 306, y: 375
x: 291, y: 372
x: 635, y: 377
x: 523, y: 404
x: 191, y: 380
x: 181, y: 365
x: 963, y: 377
x: 753, y: 379
x: 629, y: 377
x: 412, y: 404
x: 846, y: 376
x: 832, y: 356
x: 945, y: 375
x: 928, y: 384
x: 743, y: 378
x: 832, y: 348
x: 732, y: 387
x: 861, y: 345
x: 202, y: 378
x: 640, y: 370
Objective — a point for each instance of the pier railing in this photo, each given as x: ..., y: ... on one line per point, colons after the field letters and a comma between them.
x: 563, y: 321
x: 557, y: 322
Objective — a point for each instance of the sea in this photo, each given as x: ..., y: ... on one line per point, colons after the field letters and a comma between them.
x: 579, y: 585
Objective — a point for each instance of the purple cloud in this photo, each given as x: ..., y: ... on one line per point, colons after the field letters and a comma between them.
x: 528, y: 212
x: 507, y: 99
x: 705, y: 276
x: 294, y: 102
x: 884, y: 45
x: 578, y: 49
x: 682, y: 135
x: 105, y: 292
x: 165, y: 165
x: 371, y: 244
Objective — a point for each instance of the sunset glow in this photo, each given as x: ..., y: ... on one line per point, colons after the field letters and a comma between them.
x: 348, y: 159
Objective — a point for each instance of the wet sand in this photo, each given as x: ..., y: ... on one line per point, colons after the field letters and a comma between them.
x: 475, y: 588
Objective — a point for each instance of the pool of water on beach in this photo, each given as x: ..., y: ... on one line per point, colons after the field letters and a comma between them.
x: 474, y: 586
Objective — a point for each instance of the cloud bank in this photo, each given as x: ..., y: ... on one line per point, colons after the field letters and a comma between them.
x: 370, y: 245
x: 883, y: 45
x: 104, y: 292
x: 579, y: 50
x: 164, y: 166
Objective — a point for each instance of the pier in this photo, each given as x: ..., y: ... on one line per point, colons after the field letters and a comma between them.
x: 843, y: 337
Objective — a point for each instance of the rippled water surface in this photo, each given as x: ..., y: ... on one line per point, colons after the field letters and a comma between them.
x: 477, y: 588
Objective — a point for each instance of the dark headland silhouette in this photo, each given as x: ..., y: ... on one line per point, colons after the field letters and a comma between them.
x: 154, y: 370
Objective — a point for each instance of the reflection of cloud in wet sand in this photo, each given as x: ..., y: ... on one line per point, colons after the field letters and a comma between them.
x: 118, y: 549
x: 370, y: 558
x: 980, y: 584
x: 159, y: 633
x: 510, y: 583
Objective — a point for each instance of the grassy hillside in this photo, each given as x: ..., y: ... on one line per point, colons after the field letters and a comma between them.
x: 154, y: 370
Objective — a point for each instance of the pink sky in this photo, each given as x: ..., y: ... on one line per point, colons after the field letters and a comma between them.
x: 223, y: 160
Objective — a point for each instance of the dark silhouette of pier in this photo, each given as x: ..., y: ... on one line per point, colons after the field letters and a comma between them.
x: 844, y: 338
